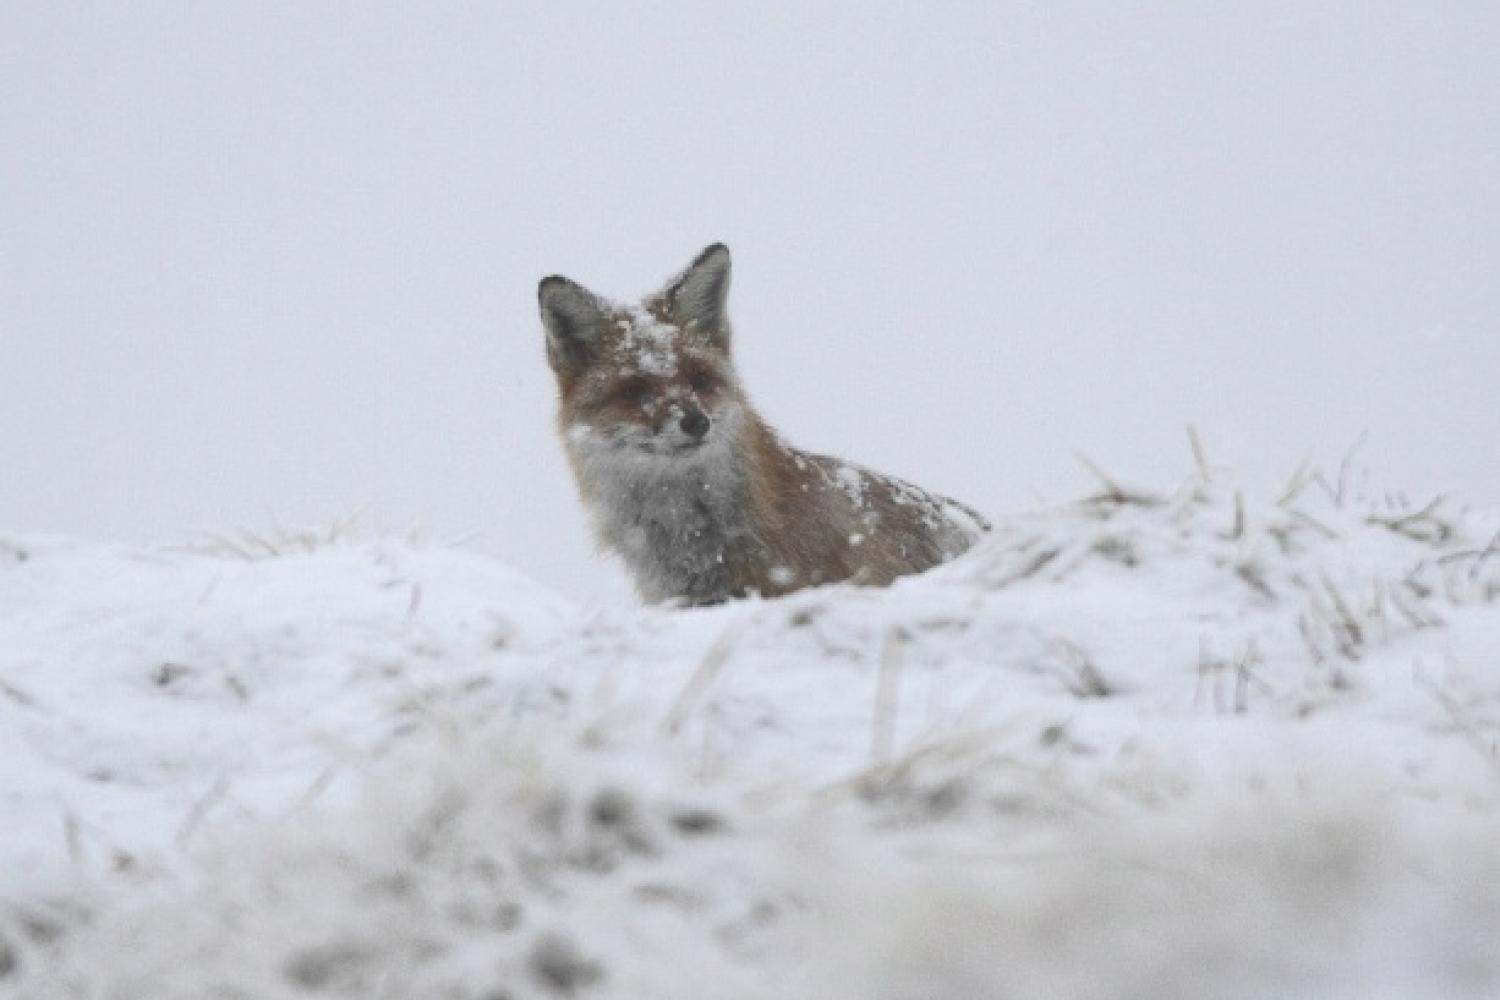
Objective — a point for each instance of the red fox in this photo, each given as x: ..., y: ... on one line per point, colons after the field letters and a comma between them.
x: 685, y: 481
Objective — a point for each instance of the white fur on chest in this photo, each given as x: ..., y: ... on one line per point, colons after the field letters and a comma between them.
x: 673, y: 519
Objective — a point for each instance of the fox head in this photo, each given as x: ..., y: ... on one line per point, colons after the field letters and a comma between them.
x: 653, y: 379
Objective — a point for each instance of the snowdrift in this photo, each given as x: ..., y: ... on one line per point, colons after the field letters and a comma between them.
x: 1174, y: 745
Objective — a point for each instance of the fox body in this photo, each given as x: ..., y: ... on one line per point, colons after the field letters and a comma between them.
x: 685, y: 481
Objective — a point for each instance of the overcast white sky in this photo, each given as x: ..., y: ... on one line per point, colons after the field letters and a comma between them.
x: 278, y: 261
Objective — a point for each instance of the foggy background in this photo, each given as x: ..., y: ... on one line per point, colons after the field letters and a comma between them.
x: 273, y: 263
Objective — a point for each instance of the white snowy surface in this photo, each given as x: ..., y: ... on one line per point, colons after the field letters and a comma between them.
x: 1177, y: 745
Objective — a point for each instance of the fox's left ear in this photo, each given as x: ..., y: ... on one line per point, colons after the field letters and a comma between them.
x: 700, y: 293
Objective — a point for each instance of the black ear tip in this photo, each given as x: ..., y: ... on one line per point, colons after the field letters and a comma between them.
x: 556, y: 291
x: 717, y: 252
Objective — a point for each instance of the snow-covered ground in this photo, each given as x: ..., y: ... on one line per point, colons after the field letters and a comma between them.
x: 1185, y: 744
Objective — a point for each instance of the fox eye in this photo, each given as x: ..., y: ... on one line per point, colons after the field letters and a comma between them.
x: 702, y: 381
x: 632, y: 390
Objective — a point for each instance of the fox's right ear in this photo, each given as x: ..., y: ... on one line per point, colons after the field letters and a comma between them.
x: 573, y: 319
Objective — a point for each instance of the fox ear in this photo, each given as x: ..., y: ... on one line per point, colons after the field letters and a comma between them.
x: 699, y: 294
x: 573, y: 319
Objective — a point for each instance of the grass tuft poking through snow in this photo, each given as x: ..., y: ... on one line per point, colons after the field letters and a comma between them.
x: 1156, y: 743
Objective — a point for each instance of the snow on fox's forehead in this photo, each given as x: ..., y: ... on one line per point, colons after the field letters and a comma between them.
x: 647, y: 343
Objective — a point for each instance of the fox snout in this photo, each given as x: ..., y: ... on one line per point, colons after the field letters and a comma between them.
x: 685, y: 428
x: 694, y: 423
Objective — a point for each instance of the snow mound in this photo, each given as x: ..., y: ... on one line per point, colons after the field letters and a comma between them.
x: 1164, y: 745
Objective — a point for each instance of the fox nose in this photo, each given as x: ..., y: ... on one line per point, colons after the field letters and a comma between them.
x: 694, y: 423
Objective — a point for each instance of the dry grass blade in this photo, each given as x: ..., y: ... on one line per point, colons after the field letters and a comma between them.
x: 1314, y: 647
x: 1237, y: 529
x: 1086, y: 681
x: 1422, y: 526
x: 1413, y: 580
x: 1244, y: 677
x: 1415, y: 616
x: 1205, y: 665
x: 17, y: 695
x: 270, y: 548
x: 1113, y: 491
x: 887, y: 696
x: 1345, y: 619
x: 1200, y: 456
x: 1294, y: 487
x: 1344, y: 638
x: 462, y: 541
x: 1489, y: 550
x: 1038, y: 562
x: 73, y: 836
x: 315, y: 790
x: 1329, y: 490
x: 1210, y: 673
x: 1377, y: 615
x: 1478, y: 555
x: 195, y: 815
x: 252, y: 545
x: 211, y: 544
x: 1316, y: 525
x: 1341, y: 491
x: 1464, y: 723
x: 1254, y: 576
x: 702, y: 679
